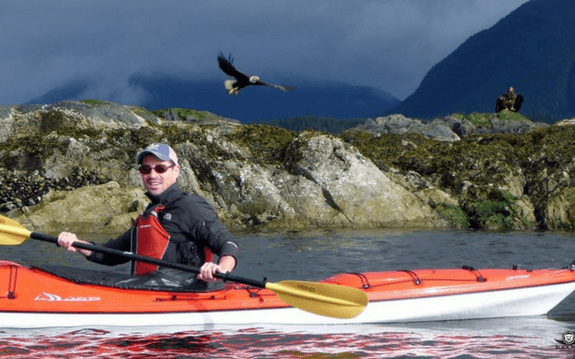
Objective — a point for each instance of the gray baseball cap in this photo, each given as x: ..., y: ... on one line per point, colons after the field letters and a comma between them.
x: 160, y: 150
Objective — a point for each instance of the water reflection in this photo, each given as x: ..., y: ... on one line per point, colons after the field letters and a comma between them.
x: 516, y: 337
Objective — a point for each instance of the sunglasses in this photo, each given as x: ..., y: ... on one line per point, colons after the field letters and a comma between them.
x: 146, y: 169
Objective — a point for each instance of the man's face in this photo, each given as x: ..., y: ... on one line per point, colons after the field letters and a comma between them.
x: 156, y: 183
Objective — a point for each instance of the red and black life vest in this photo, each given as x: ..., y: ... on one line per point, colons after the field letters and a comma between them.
x: 152, y: 240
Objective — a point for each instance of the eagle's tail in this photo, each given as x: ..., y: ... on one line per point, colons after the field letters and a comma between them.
x: 229, y: 85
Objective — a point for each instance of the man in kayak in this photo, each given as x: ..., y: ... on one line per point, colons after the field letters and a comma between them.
x: 176, y: 227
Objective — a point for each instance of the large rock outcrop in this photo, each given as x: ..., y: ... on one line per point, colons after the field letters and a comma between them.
x: 71, y: 166
x: 85, y: 161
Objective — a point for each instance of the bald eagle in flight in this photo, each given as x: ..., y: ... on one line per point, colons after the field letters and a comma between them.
x: 509, y: 101
x: 241, y: 80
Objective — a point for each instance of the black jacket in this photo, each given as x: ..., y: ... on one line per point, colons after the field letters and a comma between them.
x: 192, y: 224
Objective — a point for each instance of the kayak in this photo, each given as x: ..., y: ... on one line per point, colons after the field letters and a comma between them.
x: 33, y: 297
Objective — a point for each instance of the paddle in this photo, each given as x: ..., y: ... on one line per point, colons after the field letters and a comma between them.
x: 319, y: 298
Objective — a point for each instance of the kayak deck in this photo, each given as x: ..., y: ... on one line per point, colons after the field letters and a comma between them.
x: 32, y: 297
x: 34, y: 289
x: 407, y: 284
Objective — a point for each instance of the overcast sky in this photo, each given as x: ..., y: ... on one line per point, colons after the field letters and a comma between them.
x: 386, y: 44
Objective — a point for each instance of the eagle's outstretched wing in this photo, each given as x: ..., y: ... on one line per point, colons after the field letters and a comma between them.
x: 279, y: 87
x: 499, y: 106
x: 229, y: 69
x: 518, y: 102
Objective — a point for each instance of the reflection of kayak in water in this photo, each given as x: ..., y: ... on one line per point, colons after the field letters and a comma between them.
x: 56, y: 296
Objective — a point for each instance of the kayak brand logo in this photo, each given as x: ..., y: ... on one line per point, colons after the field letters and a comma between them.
x: 515, y: 277
x: 48, y: 297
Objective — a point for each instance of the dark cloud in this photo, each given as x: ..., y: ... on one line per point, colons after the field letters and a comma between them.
x: 389, y: 45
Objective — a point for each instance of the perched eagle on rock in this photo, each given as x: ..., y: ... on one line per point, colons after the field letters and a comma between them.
x: 509, y: 101
x: 241, y: 80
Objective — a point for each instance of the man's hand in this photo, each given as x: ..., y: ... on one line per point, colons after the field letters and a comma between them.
x: 209, y: 269
x: 66, y: 240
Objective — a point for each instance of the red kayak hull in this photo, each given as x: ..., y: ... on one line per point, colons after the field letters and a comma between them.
x: 31, y: 297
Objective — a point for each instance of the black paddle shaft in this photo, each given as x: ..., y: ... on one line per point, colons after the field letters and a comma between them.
x: 136, y: 257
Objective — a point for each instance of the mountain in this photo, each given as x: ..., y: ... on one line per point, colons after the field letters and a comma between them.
x: 531, y: 49
x: 310, y: 97
x: 71, y: 90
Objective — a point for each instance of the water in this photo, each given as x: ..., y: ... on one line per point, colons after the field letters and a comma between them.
x: 316, y: 255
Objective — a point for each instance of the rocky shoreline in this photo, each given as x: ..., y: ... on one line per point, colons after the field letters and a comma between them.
x: 70, y: 166
x: 22, y: 189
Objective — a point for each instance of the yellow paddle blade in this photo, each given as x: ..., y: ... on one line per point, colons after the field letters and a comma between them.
x: 11, y: 232
x: 324, y: 299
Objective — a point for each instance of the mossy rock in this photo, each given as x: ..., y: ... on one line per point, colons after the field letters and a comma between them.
x: 507, y: 115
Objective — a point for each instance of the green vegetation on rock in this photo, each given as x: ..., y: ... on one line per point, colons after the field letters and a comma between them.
x: 266, y: 143
x: 455, y: 215
x: 498, y: 212
x: 91, y: 102
x: 182, y: 113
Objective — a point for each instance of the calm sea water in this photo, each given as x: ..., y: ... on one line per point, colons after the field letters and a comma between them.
x: 316, y: 255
